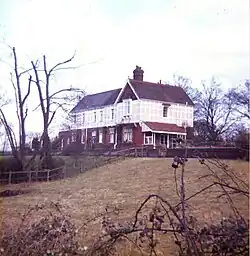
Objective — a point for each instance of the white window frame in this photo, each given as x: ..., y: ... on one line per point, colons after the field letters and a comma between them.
x: 83, y: 138
x: 148, y: 139
x: 73, y: 138
x: 112, y: 114
x: 62, y: 142
x: 95, y: 117
x: 100, y: 137
x: 127, y: 134
x: 101, y: 116
x: 93, y: 136
x: 83, y: 118
x: 74, y: 118
x: 127, y: 107
x: 111, y: 135
x: 165, y: 110
x: 162, y: 139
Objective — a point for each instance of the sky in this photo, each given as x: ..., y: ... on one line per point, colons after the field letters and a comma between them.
x: 195, y: 38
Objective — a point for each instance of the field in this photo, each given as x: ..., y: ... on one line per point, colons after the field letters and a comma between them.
x: 124, y: 185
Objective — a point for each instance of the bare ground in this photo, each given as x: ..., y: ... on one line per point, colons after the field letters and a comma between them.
x: 124, y: 184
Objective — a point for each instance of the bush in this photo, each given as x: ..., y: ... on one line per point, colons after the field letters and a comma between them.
x: 53, y: 234
x: 72, y: 149
x: 9, y: 163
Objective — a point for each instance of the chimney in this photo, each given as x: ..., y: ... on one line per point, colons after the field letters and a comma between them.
x: 138, y: 73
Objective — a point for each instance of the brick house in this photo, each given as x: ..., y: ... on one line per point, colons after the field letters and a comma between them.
x: 139, y: 113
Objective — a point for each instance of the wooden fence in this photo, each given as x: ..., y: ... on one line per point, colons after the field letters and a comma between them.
x: 30, y: 176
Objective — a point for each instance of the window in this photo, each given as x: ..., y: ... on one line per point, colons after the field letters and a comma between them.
x: 101, y: 116
x: 83, y: 137
x: 100, y: 136
x: 111, y: 135
x: 62, y: 142
x: 127, y: 107
x: 74, y: 118
x: 73, y: 136
x: 165, y: 110
x: 127, y: 135
x: 112, y: 114
x: 93, y: 137
x: 148, y: 138
x: 68, y: 141
x: 94, y: 116
x: 162, y: 139
x: 83, y: 118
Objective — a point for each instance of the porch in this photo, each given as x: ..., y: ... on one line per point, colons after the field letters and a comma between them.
x: 162, y: 139
x: 162, y: 134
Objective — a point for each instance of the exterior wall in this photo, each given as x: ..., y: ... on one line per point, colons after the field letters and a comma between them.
x: 140, y: 110
x: 152, y: 111
x: 137, y: 137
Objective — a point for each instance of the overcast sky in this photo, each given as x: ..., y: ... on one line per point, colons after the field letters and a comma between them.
x: 195, y: 38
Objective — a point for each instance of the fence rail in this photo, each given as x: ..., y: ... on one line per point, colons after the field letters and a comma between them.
x: 19, y: 176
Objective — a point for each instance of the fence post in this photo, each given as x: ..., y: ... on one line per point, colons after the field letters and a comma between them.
x: 10, y: 177
x: 29, y: 176
x: 48, y: 171
x: 64, y: 171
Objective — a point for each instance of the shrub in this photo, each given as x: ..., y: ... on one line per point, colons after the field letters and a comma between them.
x: 9, y: 163
x: 53, y: 234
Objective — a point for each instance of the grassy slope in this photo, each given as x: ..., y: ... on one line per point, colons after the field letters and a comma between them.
x: 124, y: 184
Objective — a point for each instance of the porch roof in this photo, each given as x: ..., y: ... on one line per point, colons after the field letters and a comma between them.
x: 164, y: 128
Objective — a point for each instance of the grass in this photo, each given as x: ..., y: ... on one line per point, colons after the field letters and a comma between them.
x: 123, y: 184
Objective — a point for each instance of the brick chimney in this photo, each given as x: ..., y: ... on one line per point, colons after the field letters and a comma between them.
x: 138, y: 73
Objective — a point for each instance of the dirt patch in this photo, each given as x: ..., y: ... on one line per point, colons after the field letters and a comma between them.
x: 9, y: 193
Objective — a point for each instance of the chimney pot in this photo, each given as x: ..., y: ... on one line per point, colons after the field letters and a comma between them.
x: 138, y: 73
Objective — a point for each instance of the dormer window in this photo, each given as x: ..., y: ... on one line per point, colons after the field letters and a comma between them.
x: 165, y: 110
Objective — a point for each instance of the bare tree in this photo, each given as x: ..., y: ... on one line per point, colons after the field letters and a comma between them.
x: 214, y: 111
x: 17, y: 146
x: 240, y: 97
x: 186, y: 84
x: 50, y: 102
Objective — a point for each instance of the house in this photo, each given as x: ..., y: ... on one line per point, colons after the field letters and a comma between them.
x: 139, y: 113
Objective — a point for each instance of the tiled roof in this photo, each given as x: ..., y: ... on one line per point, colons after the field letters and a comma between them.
x: 144, y: 90
x: 160, y: 92
x: 163, y: 127
x: 97, y: 100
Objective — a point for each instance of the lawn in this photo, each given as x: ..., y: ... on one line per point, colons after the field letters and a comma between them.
x: 124, y: 185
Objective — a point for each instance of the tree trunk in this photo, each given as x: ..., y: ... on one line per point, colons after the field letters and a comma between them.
x: 45, y: 155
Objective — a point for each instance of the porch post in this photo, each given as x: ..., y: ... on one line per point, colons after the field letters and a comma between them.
x: 115, y: 145
x: 86, y: 138
x: 167, y: 140
x: 154, y: 139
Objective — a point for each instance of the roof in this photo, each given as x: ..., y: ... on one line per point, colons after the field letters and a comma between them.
x: 163, y: 127
x: 97, y: 100
x: 144, y: 90
x: 160, y: 92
